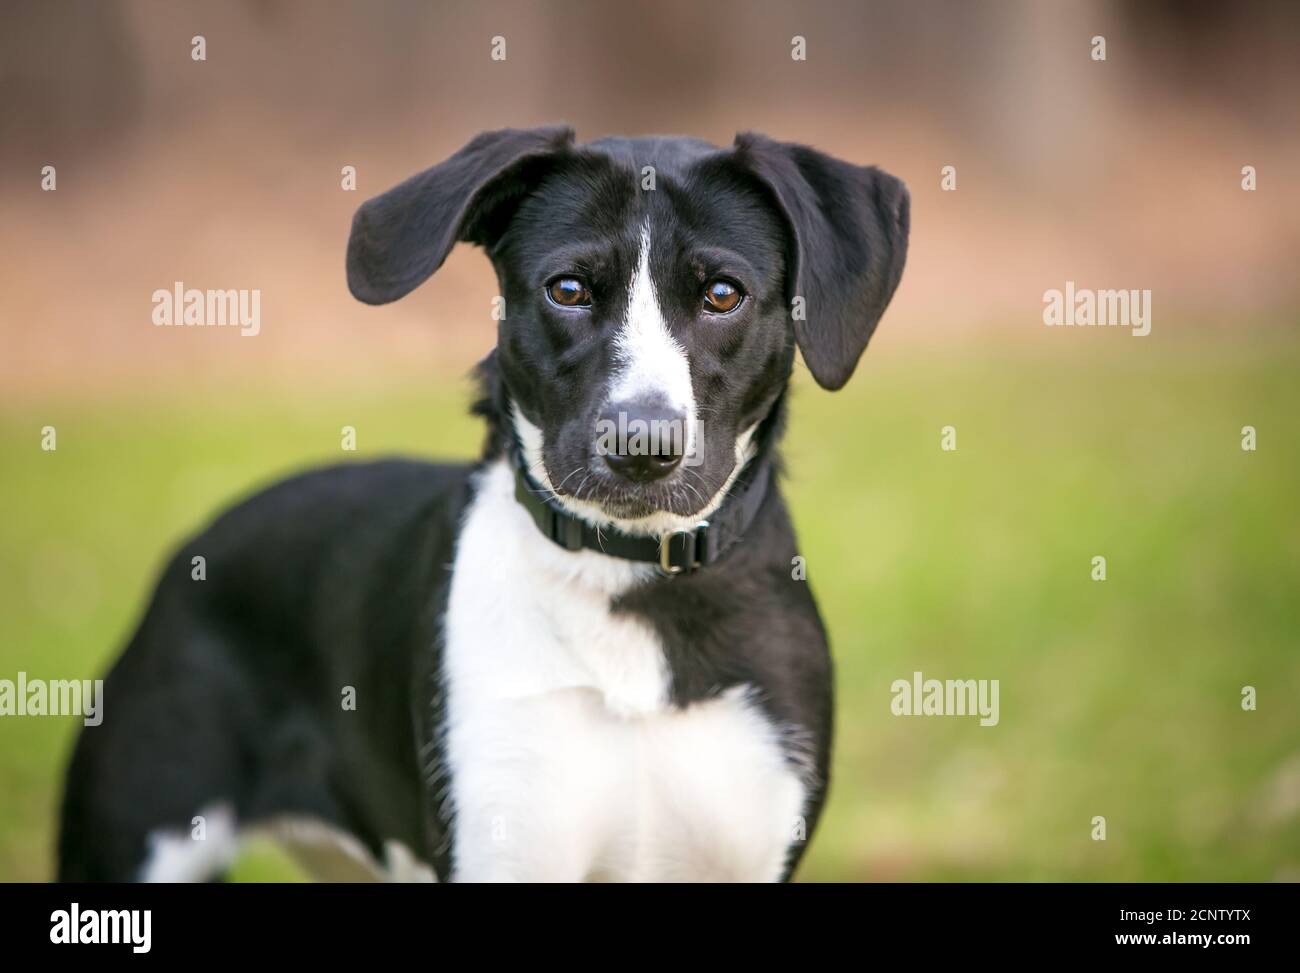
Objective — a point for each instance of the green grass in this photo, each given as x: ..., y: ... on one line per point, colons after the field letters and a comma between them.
x: 1118, y: 698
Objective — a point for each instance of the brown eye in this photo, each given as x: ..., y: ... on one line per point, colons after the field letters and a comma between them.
x: 721, y: 296
x: 569, y: 292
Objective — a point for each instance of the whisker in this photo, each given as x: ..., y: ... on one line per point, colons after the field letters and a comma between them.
x: 703, y: 502
x: 698, y: 496
x: 560, y: 485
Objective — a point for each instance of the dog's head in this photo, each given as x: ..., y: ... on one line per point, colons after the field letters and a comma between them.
x: 654, y: 291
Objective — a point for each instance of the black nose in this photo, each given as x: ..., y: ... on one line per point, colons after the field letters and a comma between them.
x: 641, y: 443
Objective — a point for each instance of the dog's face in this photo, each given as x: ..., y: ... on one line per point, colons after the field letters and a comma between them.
x: 647, y: 331
x: 654, y: 292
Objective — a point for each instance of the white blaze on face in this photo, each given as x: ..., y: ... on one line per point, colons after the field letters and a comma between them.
x: 650, y: 364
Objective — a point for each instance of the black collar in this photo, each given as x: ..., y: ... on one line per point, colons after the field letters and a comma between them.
x: 678, y: 551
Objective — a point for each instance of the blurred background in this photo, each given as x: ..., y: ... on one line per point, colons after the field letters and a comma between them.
x: 1118, y: 698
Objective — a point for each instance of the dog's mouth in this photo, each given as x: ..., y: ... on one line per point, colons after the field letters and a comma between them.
x: 683, y: 493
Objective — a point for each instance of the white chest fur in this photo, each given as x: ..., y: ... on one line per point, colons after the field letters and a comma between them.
x: 567, y: 762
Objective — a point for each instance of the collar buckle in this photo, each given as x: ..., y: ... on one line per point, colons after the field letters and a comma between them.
x: 682, y: 551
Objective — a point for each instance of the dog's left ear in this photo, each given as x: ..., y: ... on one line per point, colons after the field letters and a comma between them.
x: 401, y: 237
x: 848, y: 240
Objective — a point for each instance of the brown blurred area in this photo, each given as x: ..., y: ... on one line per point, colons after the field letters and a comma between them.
x: 225, y: 173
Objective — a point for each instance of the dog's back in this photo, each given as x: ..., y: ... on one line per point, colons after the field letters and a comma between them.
x: 273, y: 679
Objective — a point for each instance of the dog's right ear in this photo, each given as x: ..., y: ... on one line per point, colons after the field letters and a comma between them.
x: 401, y: 237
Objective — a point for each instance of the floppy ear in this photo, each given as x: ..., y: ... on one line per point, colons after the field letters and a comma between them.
x: 848, y: 240
x: 401, y: 237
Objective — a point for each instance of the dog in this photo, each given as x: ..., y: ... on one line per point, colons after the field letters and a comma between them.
x: 582, y: 657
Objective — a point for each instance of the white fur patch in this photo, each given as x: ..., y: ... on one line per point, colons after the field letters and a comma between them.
x: 651, y: 362
x: 567, y: 761
x: 177, y: 856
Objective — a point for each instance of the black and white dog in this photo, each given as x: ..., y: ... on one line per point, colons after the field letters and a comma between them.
x: 578, y: 658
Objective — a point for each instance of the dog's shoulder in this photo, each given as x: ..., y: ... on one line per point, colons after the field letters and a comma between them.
x: 341, y: 496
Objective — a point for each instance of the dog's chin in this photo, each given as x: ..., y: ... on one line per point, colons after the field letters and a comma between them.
x: 631, y: 508
x: 632, y: 502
